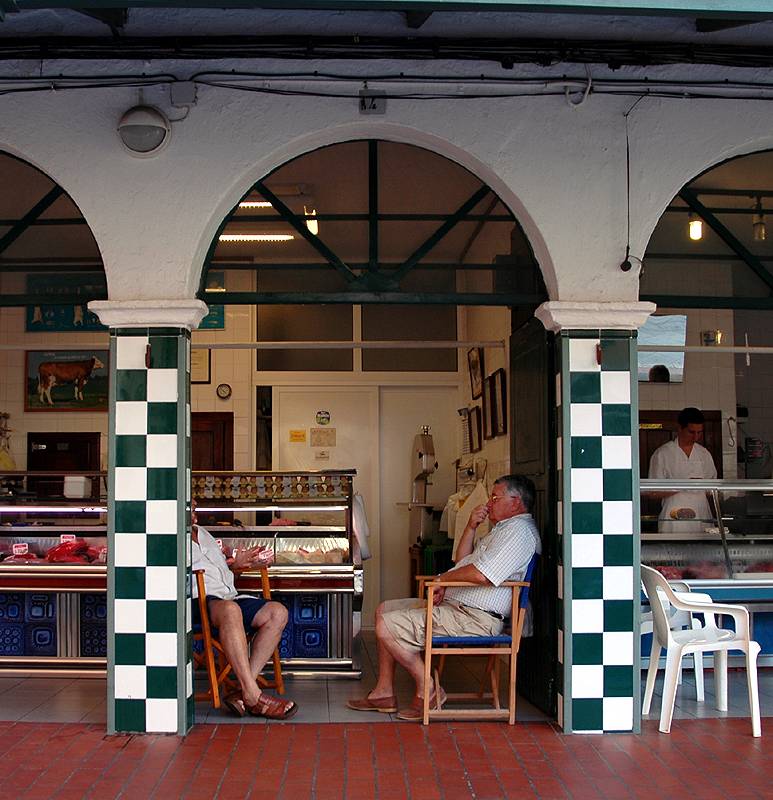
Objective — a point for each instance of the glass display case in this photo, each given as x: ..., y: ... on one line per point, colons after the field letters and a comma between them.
x: 718, y: 538
x: 305, y: 519
x: 53, y: 574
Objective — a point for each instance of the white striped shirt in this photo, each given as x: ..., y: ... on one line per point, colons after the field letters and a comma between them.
x: 503, y: 554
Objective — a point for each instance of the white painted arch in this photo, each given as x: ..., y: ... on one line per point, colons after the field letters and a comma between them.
x: 386, y: 132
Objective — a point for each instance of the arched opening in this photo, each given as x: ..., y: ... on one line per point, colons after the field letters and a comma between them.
x: 376, y: 285
x: 708, y: 267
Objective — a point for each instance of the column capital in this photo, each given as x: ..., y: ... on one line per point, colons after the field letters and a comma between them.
x: 146, y: 313
x: 558, y: 315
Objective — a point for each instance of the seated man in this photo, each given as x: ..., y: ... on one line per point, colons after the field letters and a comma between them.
x: 503, y: 554
x: 235, y: 616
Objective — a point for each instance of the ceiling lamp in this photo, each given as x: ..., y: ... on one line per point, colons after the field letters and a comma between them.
x: 256, y: 237
x: 144, y: 130
x: 694, y: 227
x: 255, y: 204
x: 312, y: 223
x: 759, y: 231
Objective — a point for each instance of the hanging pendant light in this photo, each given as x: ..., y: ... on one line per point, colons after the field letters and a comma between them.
x: 694, y: 227
x: 759, y: 231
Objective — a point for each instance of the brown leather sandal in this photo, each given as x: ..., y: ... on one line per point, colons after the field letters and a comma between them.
x: 272, y: 707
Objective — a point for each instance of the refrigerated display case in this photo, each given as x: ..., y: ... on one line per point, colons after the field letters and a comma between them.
x: 53, y: 610
x: 306, y: 520
x: 728, y: 555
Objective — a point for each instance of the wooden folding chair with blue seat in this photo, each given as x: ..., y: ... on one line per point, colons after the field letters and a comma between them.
x: 211, y: 655
x: 506, y: 644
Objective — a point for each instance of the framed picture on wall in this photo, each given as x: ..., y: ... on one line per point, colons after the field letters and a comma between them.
x: 489, y: 408
x: 474, y: 429
x: 475, y: 364
x: 201, y: 365
x: 499, y: 391
x: 66, y: 380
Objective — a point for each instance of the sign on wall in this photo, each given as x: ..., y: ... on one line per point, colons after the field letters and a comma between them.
x: 57, y: 318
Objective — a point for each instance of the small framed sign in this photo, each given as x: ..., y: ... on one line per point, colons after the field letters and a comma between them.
x: 201, y: 365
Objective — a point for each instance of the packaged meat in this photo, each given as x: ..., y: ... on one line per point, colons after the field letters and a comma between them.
x: 671, y: 573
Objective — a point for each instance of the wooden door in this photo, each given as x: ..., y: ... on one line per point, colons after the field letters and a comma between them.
x: 532, y: 443
x: 212, y: 440
x: 61, y: 452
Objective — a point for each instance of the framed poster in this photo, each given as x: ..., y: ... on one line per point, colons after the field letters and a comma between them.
x: 215, y: 319
x: 201, y: 365
x: 489, y: 408
x: 54, y: 317
x: 499, y: 391
x: 475, y: 365
x: 66, y: 380
x: 474, y: 429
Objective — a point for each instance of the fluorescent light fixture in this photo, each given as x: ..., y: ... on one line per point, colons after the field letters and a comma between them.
x: 256, y: 237
x: 695, y: 228
x: 298, y: 510
x: 255, y: 204
x: 25, y: 509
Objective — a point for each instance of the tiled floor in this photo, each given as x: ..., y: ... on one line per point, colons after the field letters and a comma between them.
x: 53, y: 746
x: 319, y: 700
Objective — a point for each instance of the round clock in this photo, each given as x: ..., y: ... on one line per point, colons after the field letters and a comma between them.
x: 223, y: 391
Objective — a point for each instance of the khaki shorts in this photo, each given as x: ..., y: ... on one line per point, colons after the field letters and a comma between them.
x: 406, y: 621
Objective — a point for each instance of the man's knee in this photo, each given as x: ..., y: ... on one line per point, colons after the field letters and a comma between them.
x: 273, y: 614
x: 226, y: 614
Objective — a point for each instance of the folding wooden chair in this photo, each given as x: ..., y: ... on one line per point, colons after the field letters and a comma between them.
x: 506, y: 644
x: 212, y: 657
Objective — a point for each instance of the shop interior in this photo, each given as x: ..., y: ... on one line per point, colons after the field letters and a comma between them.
x: 296, y: 370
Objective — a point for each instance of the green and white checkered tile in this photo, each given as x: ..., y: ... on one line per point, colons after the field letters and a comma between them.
x: 599, y: 565
x: 150, y: 672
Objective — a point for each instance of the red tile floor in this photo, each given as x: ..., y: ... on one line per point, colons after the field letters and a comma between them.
x: 712, y: 758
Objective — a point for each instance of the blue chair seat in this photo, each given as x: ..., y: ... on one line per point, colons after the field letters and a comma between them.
x: 471, y: 641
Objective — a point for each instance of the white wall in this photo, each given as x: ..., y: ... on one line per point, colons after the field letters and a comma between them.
x: 560, y: 169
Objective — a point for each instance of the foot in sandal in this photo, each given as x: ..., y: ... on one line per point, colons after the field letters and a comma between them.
x: 271, y: 707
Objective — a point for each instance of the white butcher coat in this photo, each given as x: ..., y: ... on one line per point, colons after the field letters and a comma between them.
x: 670, y: 461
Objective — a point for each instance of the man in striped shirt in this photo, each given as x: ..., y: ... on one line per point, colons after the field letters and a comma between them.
x: 480, y: 610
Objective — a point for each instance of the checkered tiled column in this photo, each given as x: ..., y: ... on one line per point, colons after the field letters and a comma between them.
x: 598, y: 486
x: 150, y: 686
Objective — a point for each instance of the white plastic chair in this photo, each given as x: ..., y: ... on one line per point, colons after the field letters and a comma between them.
x: 678, y: 620
x: 709, y: 638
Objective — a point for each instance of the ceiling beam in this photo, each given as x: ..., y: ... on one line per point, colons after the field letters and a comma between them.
x: 441, y: 232
x: 370, y: 297
x: 754, y: 263
x: 712, y: 24
x: 299, y: 224
x: 40, y: 207
x: 698, y: 301
x: 114, y: 18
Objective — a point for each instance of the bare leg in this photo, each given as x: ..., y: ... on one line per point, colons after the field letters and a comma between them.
x: 386, y: 665
x: 226, y: 616
x: 410, y: 660
x: 269, y: 622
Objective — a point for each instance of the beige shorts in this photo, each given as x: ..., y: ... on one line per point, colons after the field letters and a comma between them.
x: 406, y: 621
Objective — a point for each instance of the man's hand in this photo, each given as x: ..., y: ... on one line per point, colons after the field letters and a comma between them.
x: 438, y: 595
x: 254, y: 556
x: 478, y: 515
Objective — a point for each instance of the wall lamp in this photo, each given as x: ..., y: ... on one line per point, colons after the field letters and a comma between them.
x: 144, y: 131
x: 759, y: 231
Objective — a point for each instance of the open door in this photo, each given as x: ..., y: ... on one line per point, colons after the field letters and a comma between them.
x: 532, y: 443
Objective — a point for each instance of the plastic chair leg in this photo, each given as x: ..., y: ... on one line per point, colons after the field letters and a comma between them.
x: 673, y: 666
x: 720, y: 678
x: 652, y: 673
x: 754, y: 691
x: 700, y: 694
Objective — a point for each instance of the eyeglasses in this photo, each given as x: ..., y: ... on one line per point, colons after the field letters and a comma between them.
x: 495, y: 497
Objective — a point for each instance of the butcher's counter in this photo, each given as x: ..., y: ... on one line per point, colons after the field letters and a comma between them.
x: 53, y: 616
x: 728, y: 555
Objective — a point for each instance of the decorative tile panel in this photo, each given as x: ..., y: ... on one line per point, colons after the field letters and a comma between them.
x: 149, y: 666
x: 599, y: 553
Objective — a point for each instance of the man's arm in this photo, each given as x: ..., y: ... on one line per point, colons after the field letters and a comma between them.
x: 469, y: 573
x: 466, y: 543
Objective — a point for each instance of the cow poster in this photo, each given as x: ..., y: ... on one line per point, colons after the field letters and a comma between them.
x: 66, y: 380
